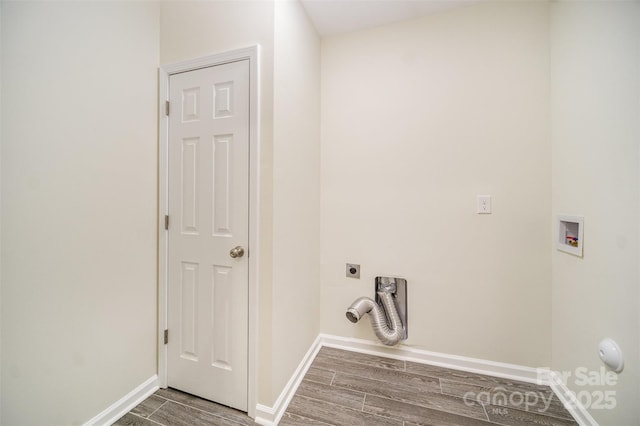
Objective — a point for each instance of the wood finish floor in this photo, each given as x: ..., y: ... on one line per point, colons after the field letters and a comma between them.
x: 348, y: 388
x: 170, y: 407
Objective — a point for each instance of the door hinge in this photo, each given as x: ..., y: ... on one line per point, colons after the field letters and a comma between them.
x: 166, y: 222
x: 166, y: 107
x: 166, y: 337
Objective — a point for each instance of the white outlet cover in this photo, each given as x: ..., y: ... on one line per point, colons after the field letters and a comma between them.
x: 484, y: 204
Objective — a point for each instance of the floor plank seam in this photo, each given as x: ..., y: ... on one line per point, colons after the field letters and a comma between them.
x: 374, y: 390
x: 428, y: 406
x: 315, y: 421
x: 484, y: 409
x: 314, y: 381
x: 541, y: 414
x: 537, y: 413
x: 546, y: 414
x: 495, y: 382
x: 161, y: 405
x: 349, y: 409
x: 147, y: 418
x: 205, y: 411
x: 326, y: 402
x: 410, y: 401
x: 442, y: 411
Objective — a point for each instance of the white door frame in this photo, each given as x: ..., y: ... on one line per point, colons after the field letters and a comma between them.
x: 253, y: 55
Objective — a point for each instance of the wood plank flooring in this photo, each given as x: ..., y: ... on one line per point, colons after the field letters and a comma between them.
x: 348, y: 388
x: 170, y: 407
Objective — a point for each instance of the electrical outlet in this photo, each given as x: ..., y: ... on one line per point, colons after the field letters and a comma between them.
x: 353, y: 270
x: 484, y: 204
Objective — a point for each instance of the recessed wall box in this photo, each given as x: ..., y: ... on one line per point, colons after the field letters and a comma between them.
x: 570, y: 234
x: 398, y: 288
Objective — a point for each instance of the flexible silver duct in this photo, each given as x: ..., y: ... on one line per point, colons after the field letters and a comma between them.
x: 389, y: 334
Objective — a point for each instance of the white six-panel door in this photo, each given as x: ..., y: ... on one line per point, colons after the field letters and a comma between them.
x: 209, y: 216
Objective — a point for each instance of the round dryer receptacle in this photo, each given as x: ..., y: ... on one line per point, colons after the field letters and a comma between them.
x: 611, y: 354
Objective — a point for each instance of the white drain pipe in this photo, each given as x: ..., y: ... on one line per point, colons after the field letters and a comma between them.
x: 389, y: 334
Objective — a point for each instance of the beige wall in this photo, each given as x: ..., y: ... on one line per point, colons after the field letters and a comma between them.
x: 82, y: 281
x: 418, y: 118
x: 296, y: 191
x: 79, y: 183
x: 595, y: 78
x: 0, y: 211
x: 415, y: 118
x: 1, y: 317
x: 289, y: 180
x: 190, y: 29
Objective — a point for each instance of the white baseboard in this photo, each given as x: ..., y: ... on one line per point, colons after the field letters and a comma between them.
x: 126, y: 403
x: 270, y: 416
x: 570, y: 402
x: 473, y: 365
x: 540, y: 376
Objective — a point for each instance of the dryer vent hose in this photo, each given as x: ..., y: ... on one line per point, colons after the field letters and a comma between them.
x: 389, y: 334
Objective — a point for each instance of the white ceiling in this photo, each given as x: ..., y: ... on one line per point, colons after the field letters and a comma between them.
x: 332, y: 17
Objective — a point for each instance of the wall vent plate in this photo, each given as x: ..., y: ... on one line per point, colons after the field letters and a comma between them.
x: 398, y: 287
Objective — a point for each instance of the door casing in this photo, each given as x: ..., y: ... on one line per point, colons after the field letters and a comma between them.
x: 251, y: 53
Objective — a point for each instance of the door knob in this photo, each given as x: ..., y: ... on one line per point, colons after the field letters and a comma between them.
x: 237, y: 251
